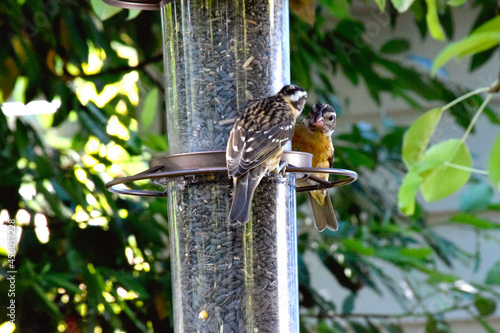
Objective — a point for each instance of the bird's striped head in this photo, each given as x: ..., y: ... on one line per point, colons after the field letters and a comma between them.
x: 294, y: 95
x: 322, y: 117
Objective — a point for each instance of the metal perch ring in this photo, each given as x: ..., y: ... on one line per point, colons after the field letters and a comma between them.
x: 181, y: 166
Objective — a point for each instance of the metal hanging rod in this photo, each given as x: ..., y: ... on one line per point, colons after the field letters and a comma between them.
x: 181, y: 166
x: 135, y: 4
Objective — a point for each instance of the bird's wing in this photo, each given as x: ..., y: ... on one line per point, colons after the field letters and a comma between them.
x: 235, y: 145
x: 259, y: 140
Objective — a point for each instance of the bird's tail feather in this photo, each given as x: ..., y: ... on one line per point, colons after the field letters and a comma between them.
x: 324, y: 216
x: 244, y: 188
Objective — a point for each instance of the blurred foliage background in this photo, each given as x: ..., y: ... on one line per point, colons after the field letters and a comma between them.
x: 92, y: 261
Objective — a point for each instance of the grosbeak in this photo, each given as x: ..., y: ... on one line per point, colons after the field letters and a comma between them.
x: 314, y: 135
x: 256, y: 144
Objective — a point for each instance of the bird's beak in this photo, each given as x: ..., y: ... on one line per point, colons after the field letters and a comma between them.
x: 319, y: 121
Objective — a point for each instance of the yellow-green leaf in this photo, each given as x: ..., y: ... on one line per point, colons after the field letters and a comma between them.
x: 149, y: 108
x: 402, y: 5
x: 133, y: 13
x: 492, y: 25
x: 432, y: 20
x: 473, y: 44
x: 456, y: 3
x: 449, y: 175
x: 103, y: 10
x: 408, y: 191
x: 417, y: 137
x: 494, y: 164
x: 380, y: 4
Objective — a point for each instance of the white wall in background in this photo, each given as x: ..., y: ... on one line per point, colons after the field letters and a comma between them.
x: 362, y: 108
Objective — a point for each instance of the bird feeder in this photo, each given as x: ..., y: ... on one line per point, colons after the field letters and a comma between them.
x: 226, y: 278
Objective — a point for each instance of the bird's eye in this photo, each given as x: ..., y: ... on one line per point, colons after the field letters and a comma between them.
x: 330, y: 118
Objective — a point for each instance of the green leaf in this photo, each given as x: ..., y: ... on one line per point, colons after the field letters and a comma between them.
x: 103, y: 10
x: 492, y: 25
x: 484, y: 306
x: 155, y: 141
x: 436, y: 277
x: 470, y: 45
x: 402, y: 5
x: 493, y: 276
x: 149, y: 108
x: 474, y: 221
x: 338, y: 8
x: 435, y: 326
x: 393, y: 328
x: 133, y: 13
x: 446, y: 179
x: 432, y: 20
x: 481, y: 58
x: 396, y: 256
x: 494, y: 164
x: 355, y: 245
x: 380, y: 4
x: 476, y: 197
x: 45, y: 299
x: 408, y: 191
x: 398, y: 45
x: 417, y: 137
x: 62, y: 280
x: 348, y: 304
x: 421, y: 253
x: 485, y: 324
x: 456, y: 3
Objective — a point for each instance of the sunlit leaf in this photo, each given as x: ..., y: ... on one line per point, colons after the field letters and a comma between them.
x: 492, y: 25
x: 432, y: 20
x: 149, y: 108
x: 494, y: 164
x: 470, y: 45
x: 416, y: 139
x: 445, y: 179
x: 133, y: 13
x: 380, y: 4
x: 408, y: 191
x: 103, y: 10
x: 402, y: 5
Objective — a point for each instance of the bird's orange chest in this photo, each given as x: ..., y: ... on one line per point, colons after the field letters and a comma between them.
x: 315, y: 143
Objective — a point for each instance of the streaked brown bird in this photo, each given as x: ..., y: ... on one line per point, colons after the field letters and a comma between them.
x: 314, y: 135
x: 256, y: 144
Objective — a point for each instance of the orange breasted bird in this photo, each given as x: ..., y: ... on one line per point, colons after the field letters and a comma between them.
x: 314, y: 135
x: 256, y: 144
